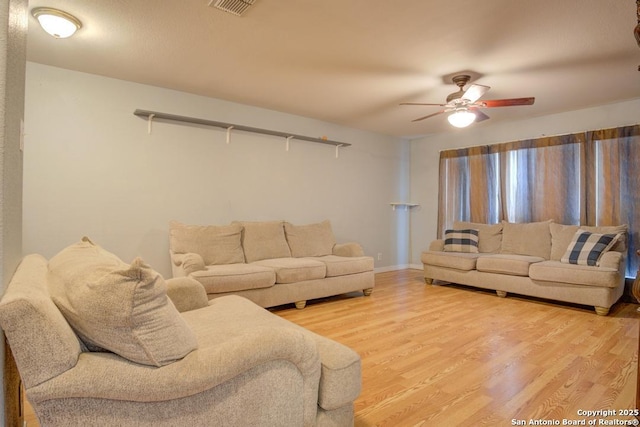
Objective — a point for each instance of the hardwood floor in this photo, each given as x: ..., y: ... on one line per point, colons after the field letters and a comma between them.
x: 449, y: 355
x: 458, y: 356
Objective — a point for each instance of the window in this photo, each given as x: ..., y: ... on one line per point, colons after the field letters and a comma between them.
x: 587, y: 178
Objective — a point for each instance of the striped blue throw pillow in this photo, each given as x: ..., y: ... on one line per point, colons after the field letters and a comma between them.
x: 587, y: 248
x: 461, y: 241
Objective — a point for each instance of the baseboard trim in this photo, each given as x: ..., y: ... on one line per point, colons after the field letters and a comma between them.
x: 397, y: 267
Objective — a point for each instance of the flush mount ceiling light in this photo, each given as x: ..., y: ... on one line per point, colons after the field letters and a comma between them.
x: 56, y: 22
x: 461, y: 118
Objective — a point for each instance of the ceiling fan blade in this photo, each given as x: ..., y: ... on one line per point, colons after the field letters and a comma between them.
x: 475, y: 92
x: 419, y: 103
x: 512, y: 102
x: 426, y: 117
x: 480, y: 116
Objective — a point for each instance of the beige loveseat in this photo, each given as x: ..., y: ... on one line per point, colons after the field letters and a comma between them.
x: 269, y: 262
x: 533, y: 259
x: 98, y: 343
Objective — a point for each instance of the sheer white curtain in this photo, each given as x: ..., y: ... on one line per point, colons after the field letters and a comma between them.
x: 542, y: 180
x: 613, y: 191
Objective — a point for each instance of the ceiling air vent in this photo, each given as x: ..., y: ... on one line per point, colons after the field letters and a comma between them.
x: 237, y: 7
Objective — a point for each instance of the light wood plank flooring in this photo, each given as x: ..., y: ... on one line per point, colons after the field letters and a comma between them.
x: 449, y: 356
x: 458, y: 356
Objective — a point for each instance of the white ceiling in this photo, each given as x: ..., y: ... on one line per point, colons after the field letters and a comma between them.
x: 352, y: 62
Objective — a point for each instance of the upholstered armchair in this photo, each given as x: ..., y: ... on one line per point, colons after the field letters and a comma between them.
x: 229, y: 363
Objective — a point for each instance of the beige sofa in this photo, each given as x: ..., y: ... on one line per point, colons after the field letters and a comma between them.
x: 270, y: 262
x: 76, y: 324
x: 533, y: 259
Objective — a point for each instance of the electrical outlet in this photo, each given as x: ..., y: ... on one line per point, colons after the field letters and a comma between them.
x: 379, y: 256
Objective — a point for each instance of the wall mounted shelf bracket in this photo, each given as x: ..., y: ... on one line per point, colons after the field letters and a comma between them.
x: 406, y: 206
x: 154, y: 115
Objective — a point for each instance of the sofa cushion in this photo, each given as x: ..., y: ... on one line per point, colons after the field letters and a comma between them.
x: 459, y: 261
x: 340, y: 379
x: 218, y: 279
x: 342, y: 266
x: 217, y: 244
x: 291, y: 270
x: 561, y: 236
x: 558, y: 272
x: 121, y: 308
x: 489, y: 235
x: 461, y: 240
x: 531, y: 238
x: 586, y: 248
x: 264, y: 240
x: 514, y: 265
x: 310, y: 240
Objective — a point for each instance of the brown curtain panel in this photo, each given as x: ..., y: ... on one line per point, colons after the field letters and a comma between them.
x: 468, y: 187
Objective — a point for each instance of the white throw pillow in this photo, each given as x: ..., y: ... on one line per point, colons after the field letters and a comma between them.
x: 118, y: 307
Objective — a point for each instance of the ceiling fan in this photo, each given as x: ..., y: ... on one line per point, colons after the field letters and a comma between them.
x: 465, y: 106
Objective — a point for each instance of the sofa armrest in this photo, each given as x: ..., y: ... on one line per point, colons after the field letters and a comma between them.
x: 186, y: 294
x: 183, y: 264
x: 437, y: 245
x: 109, y: 376
x: 176, y: 258
x: 611, y: 259
x: 350, y: 249
x: 192, y: 262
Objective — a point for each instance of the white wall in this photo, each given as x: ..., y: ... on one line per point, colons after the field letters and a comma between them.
x: 425, y: 154
x: 92, y: 169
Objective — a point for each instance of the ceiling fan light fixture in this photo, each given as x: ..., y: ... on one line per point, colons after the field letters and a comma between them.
x: 461, y: 118
x: 56, y: 22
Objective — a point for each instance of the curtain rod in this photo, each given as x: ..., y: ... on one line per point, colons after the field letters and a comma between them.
x: 539, y: 137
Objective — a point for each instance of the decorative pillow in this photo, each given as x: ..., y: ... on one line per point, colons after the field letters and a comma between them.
x: 264, y: 240
x: 118, y: 307
x: 489, y: 235
x: 461, y: 241
x: 528, y: 238
x: 310, y: 240
x: 586, y: 248
x: 216, y: 244
x: 620, y: 230
x: 562, y: 235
